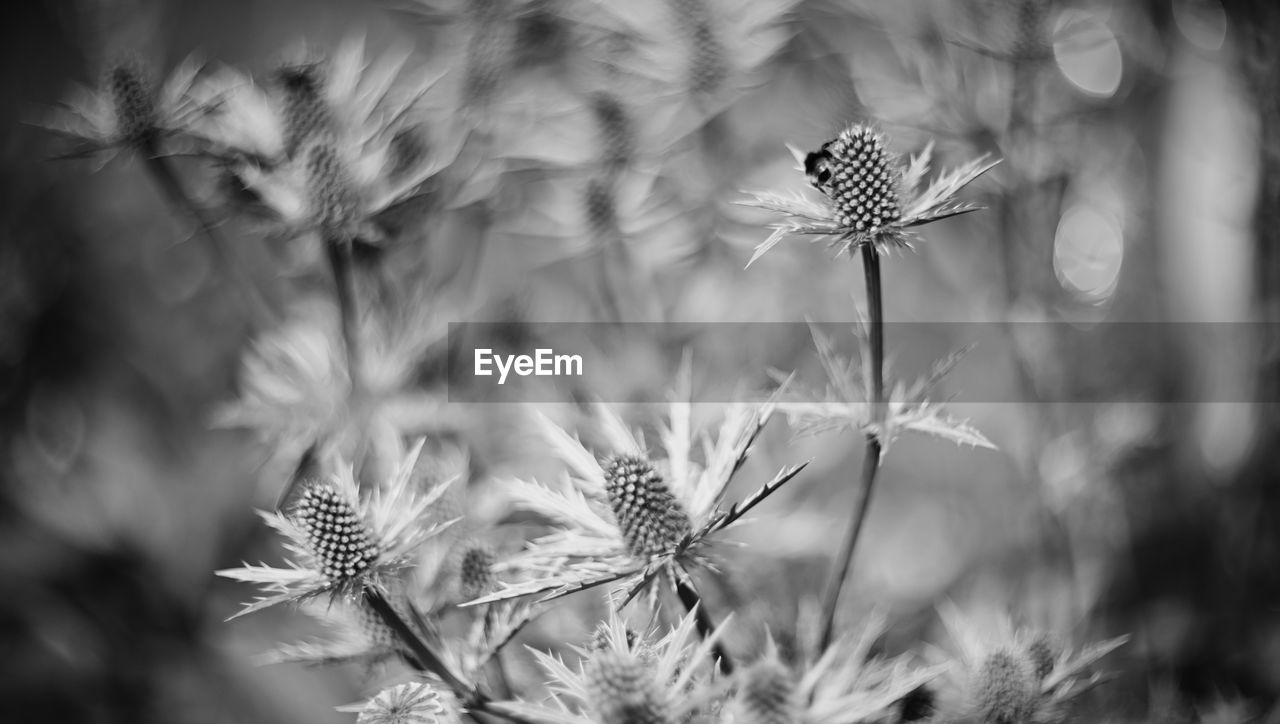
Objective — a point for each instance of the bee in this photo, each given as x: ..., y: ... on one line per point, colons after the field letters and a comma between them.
x: 819, y: 167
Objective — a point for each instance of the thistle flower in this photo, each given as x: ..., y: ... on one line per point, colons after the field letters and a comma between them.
x: 868, y: 196
x: 626, y: 518
x: 1013, y: 676
x: 846, y: 403
x: 412, y: 703
x: 343, y: 141
x: 767, y: 694
x: 341, y: 542
x: 128, y: 110
x: 847, y: 684
x: 475, y: 572
x: 628, y: 680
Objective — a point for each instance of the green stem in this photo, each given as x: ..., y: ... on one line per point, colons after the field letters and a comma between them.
x: 871, y: 458
x: 692, y: 603
x: 344, y: 281
x: 163, y: 173
x: 427, y: 661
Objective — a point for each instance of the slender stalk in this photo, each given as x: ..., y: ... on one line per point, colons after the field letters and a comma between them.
x: 871, y: 458
x: 690, y: 599
x: 427, y: 661
x: 162, y: 172
x: 344, y: 282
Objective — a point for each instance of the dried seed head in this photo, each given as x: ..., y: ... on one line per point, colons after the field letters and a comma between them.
x: 767, y: 695
x: 616, y: 137
x: 651, y: 518
x: 919, y: 704
x: 337, y: 537
x: 305, y: 113
x: 1042, y: 651
x: 333, y: 199
x: 856, y: 172
x: 133, y: 96
x: 622, y: 689
x: 1005, y: 689
x: 475, y: 572
x: 413, y: 703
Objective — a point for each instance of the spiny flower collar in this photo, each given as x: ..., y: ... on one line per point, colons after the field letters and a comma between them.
x: 624, y: 519
x: 340, y: 541
x: 869, y: 196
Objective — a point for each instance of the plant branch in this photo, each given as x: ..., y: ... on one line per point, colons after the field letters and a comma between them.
x: 871, y: 458
x: 344, y: 282
x: 692, y: 603
x: 164, y: 175
x: 427, y: 661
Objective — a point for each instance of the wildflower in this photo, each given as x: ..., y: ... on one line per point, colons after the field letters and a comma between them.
x: 767, y: 694
x: 625, y: 518
x: 845, y: 402
x: 128, y: 110
x: 413, y: 703
x: 1013, y: 676
x: 846, y: 683
x: 628, y: 680
x: 475, y: 572
x: 342, y: 143
x: 341, y: 542
x: 869, y: 197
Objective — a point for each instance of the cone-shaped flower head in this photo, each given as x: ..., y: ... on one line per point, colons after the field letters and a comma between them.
x: 1005, y: 688
x: 623, y: 690
x: 1043, y: 654
x: 767, y: 694
x: 475, y: 572
x: 412, y: 703
x: 304, y: 110
x: 619, y: 520
x: 334, y: 201
x: 648, y: 513
x: 339, y: 540
x: 870, y: 196
x: 133, y: 94
x: 860, y: 176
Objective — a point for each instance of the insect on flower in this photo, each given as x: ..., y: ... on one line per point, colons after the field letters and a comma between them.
x: 625, y: 679
x: 868, y: 196
x: 341, y: 542
x: 628, y: 518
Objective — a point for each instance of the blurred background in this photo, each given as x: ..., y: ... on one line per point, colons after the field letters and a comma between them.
x: 1140, y: 182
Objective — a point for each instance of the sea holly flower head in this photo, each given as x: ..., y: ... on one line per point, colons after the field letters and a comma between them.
x: 129, y: 109
x: 1002, y: 673
x: 846, y: 401
x: 846, y: 683
x: 869, y: 196
x: 627, y: 518
x: 627, y: 678
x: 340, y: 541
x: 333, y: 143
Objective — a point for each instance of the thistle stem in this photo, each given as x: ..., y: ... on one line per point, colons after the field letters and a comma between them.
x: 344, y: 281
x: 693, y: 603
x: 427, y: 661
x: 871, y: 458
x: 164, y: 175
